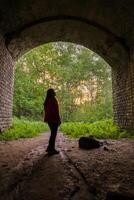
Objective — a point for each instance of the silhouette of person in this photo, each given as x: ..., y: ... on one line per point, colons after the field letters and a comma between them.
x: 52, y: 117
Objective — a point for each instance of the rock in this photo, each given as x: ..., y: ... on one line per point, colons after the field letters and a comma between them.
x: 106, y: 149
x: 88, y: 143
x: 119, y: 196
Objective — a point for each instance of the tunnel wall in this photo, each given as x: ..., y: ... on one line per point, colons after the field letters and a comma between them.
x: 123, y: 95
x: 6, y: 86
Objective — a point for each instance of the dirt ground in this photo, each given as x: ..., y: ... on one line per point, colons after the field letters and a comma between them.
x: 27, y: 173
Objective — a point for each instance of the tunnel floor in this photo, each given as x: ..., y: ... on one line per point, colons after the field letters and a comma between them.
x: 28, y: 173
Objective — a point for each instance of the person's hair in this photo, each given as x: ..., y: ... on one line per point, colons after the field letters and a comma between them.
x: 50, y: 93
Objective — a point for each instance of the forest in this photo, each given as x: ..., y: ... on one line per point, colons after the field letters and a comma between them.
x: 81, y: 79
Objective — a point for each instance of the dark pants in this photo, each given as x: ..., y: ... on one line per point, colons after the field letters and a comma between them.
x: 53, y: 127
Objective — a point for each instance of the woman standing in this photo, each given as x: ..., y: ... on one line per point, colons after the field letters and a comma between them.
x: 52, y: 117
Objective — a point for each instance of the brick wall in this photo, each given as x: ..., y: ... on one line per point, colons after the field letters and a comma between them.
x: 123, y: 96
x: 6, y: 86
x: 132, y: 84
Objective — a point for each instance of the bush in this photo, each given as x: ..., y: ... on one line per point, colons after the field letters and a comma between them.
x: 100, y: 129
x: 23, y: 128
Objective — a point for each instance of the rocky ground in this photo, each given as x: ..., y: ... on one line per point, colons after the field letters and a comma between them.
x: 28, y: 173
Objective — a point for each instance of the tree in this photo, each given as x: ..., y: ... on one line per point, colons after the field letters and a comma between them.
x: 80, y: 77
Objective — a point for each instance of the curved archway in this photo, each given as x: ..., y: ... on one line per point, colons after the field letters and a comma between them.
x: 92, y: 36
x: 70, y: 29
x: 89, y: 23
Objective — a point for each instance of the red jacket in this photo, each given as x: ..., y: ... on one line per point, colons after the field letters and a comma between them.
x: 52, y: 111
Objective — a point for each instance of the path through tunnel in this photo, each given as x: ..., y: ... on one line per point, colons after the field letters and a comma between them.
x: 105, y: 27
x: 31, y: 165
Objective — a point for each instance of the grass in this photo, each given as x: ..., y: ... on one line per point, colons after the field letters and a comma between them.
x: 100, y: 129
x: 23, y: 129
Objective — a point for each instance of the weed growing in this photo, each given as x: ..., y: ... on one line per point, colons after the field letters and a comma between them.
x: 23, y: 128
x: 100, y: 129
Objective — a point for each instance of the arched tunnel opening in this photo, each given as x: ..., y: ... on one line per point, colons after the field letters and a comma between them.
x: 93, y: 37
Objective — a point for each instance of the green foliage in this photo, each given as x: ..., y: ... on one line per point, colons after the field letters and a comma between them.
x: 100, y: 129
x: 81, y: 78
x: 23, y: 129
x: 90, y: 113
